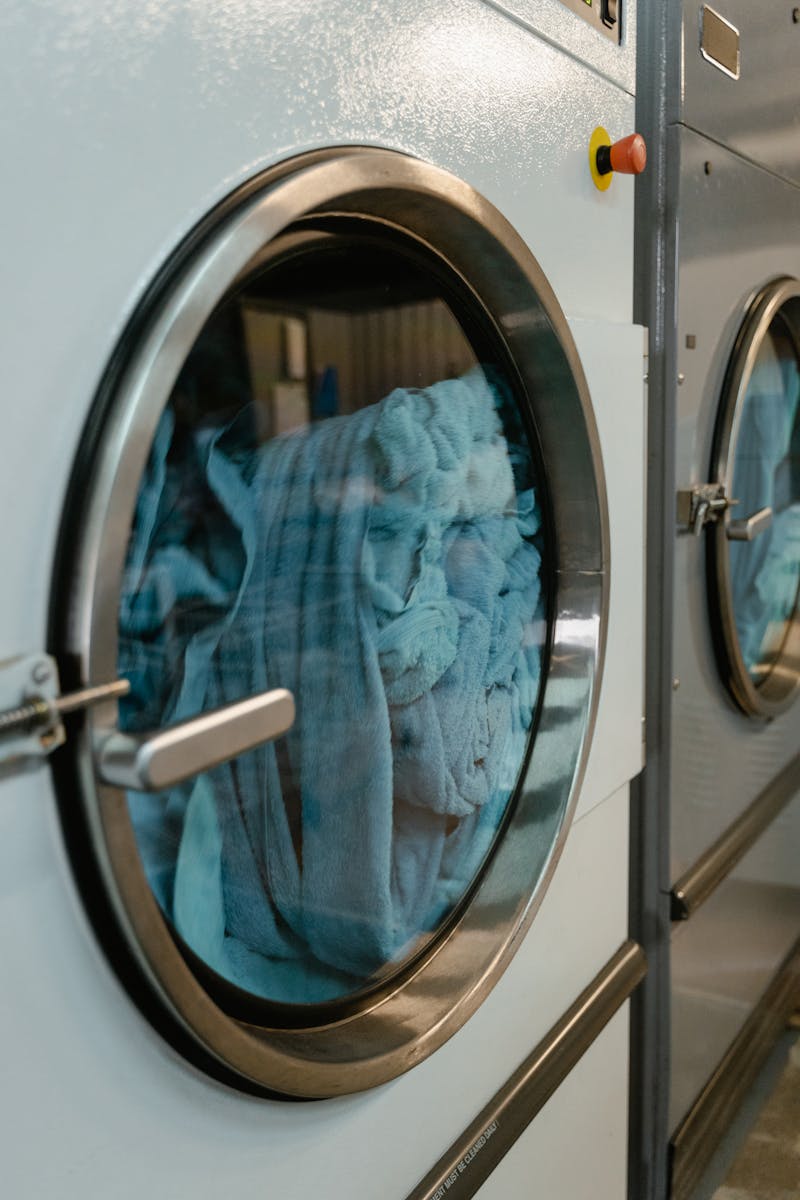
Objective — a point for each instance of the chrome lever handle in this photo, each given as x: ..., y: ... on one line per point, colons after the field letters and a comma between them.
x: 749, y: 528
x: 154, y: 762
x: 700, y: 517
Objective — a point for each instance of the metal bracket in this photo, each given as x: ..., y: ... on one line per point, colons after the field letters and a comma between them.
x: 32, y: 707
x: 701, y: 505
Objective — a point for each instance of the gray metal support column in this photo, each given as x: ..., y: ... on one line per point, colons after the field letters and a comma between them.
x: 658, y: 37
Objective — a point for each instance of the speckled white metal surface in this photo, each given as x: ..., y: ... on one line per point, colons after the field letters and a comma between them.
x: 562, y: 27
x: 120, y: 131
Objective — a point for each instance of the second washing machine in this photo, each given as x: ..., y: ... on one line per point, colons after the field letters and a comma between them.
x: 720, y: 284
x: 736, y: 722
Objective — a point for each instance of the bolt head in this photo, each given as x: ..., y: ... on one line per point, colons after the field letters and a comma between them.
x: 40, y: 673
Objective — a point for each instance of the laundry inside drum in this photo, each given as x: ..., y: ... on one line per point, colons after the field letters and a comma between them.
x: 342, y: 498
x: 765, y: 572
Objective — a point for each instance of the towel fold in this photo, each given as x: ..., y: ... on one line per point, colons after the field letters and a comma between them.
x: 384, y: 567
x: 765, y: 572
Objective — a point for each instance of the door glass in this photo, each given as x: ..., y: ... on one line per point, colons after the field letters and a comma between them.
x: 766, y: 571
x: 341, y: 499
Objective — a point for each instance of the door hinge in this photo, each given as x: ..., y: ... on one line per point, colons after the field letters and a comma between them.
x: 32, y: 707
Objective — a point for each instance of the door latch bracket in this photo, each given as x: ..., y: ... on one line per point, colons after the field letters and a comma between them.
x: 32, y: 708
x: 701, y: 505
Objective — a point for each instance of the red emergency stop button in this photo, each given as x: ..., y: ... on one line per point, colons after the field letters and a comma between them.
x: 628, y: 156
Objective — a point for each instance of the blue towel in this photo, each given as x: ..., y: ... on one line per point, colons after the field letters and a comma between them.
x: 765, y: 573
x: 383, y: 567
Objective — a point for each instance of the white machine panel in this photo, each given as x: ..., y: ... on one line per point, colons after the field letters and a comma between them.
x: 576, y: 1147
x: 619, y: 398
x: 82, y: 1065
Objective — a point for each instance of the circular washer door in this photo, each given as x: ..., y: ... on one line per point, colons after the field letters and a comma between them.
x: 340, y: 522
x: 755, y: 550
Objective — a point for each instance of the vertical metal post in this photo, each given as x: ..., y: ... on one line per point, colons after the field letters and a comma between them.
x: 658, y: 67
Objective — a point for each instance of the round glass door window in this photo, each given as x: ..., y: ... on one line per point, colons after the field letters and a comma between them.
x: 757, y: 567
x: 340, y: 500
x: 343, y: 467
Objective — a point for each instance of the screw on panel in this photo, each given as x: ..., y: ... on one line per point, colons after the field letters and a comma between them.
x: 676, y: 683
x: 796, y: 15
x: 681, y: 378
x: 707, y: 167
x: 40, y: 673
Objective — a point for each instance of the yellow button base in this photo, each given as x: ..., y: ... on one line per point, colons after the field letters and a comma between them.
x: 599, y: 138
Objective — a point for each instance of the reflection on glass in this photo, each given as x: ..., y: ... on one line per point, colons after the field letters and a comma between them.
x: 339, y: 500
x: 765, y: 572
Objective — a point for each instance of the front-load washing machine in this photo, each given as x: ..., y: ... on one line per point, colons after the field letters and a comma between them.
x: 323, y: 561
x: 735, y: 771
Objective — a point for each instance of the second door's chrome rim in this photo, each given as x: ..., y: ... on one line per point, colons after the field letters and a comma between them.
x: 780, y: 686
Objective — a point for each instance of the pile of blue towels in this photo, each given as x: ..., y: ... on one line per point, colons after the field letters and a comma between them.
x: 383, y: 566
x: 765, y: 572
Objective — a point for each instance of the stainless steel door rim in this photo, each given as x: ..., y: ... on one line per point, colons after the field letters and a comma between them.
x: 779, y: 688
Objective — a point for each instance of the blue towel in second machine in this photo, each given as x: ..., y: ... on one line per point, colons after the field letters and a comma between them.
x: 390, y: 579
x: 764, y: 572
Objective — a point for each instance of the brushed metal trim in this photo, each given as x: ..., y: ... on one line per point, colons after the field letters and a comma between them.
x: 387, y: 1030
x: 467, y: 1164
x: 699, y: 1133
x: 719, y: 42
x: 781, y: 684
x: 703, y: 878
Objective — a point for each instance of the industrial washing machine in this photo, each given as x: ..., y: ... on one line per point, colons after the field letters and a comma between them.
x: 324, y: 572
x: 736, y: 723
x: 730, y: 569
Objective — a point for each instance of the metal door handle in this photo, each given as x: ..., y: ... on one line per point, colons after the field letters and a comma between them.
x: 750, y: 527
x: 154, y: 762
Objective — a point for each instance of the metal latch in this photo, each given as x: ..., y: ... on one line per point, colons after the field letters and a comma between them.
x: 32, y: 707
x: 700, y: 505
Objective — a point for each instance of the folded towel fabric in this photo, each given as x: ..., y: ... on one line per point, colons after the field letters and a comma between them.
x: 384, y: 567
x: 765, y: 572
